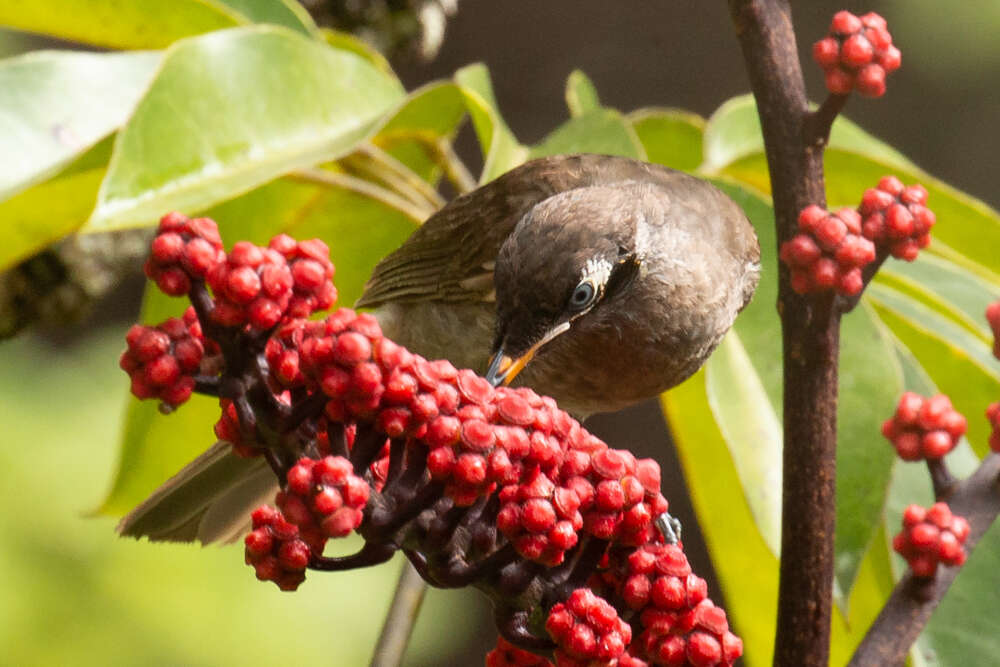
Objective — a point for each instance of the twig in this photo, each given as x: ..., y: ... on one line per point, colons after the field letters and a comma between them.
x: 816, y: 129
x: 454, y: 169
x: 359, y: 185
x: 402, y: 616
x: 810, y: 337
x: 942, y: 479
x: 913, y: 600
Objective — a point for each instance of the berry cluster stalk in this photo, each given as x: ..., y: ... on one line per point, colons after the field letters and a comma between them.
x: 810, y: 335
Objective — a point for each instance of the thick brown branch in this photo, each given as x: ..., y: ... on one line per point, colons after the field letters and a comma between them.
x: 810, y: 333
x: 913, y: 600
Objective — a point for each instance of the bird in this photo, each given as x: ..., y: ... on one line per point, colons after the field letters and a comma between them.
x: 598, y: 280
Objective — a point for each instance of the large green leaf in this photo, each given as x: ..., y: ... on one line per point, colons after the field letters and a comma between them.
x: 359, y: 232
x: 136, y: 24
x: 671, y: 137
x: 287, y: 13
x: 54, y: 105
x: 231, y: 110
x: 501, y: 149
x: 49, y: 211
x: 431, y: 114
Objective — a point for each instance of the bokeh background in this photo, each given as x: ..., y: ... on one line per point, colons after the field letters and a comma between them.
x: 74, y: 594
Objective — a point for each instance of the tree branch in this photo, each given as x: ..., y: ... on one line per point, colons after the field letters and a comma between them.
x: 810, y: 336
x: 402, y: 616
x: 914, y: 599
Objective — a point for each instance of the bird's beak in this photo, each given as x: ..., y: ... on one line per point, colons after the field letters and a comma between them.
x: 503, y: 369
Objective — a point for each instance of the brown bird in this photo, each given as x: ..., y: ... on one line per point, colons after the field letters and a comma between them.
x: 597, y: 280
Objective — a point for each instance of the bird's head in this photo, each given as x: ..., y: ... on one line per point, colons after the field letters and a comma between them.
x: 568, y: 259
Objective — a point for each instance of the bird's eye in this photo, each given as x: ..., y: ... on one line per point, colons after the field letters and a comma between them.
x: 582, y: 296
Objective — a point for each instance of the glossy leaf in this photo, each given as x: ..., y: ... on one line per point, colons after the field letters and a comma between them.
x: 956, y: 360
x: 287, y: 13
x: 49, y: 211
x: 602, y: 131
x: 55, y: 105
x: 431, y: 114
x: 947, y: 288
x: 501, y: 150
x: 581, y: 95
x: 136, y: 24
x: 345, y: 41
x: 232, y: 110
x: 671, y: 137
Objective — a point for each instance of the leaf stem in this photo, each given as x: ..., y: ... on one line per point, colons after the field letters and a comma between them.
x: 402, y: 616
x: 360, y: 186
x: 401, y: 177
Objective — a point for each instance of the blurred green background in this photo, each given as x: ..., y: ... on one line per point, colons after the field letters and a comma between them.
x: 77, y: 595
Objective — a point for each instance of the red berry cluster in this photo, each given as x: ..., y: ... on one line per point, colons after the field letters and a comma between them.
x: 993, y: 317
x: 324, y: 499
x: 924, y: 428
x: 507, y: 655
x: 163, y: 360
x: 312, y: 274
x: 679, y: 624
x: 275, y: 550
x: 183, y: 250
x: 897, y: 218
x: 340, y: 398
x: 993, y: 415
x: 857, y: 55
x: 587, y: 628
x: 828, y: 253
x: 931, y: 536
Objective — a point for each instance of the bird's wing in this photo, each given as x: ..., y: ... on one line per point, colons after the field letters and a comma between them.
x: 450, y: 257
x: 209, y: 500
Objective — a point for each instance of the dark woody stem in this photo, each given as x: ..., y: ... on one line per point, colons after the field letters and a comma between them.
x: 810, y: 336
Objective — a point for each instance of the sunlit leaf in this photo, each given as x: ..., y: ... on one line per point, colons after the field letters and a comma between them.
x: 287, y: 13
x: 581, y: 95
x: 671, y: 137
x: 54, y: 105
x: 348, y: 42
x: 45, y: 213
x: 136, y: 24
x: 232, y: 110
x: 501, y: 150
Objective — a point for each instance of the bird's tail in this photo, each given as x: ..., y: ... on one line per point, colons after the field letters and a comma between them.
x: 209, y: 500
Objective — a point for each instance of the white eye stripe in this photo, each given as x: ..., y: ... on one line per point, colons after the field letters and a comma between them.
x: 597, y: 271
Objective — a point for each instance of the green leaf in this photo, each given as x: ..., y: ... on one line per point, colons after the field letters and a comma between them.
x: 287, y: 13
x: 345, y: 41
x: 947, y: 288
x: 671, y: 137
x: 136, y: 24
x: 232, y: 110
x: 752, y: 433
x: 54, y: 105
x: 733, y: 133
x: 748, y: 573
x: 870, y: 382
x: 47, y: 212
x: 602, y: 131
x: 431, y: 113
x: 581, y: 95
x: 501, y: 150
